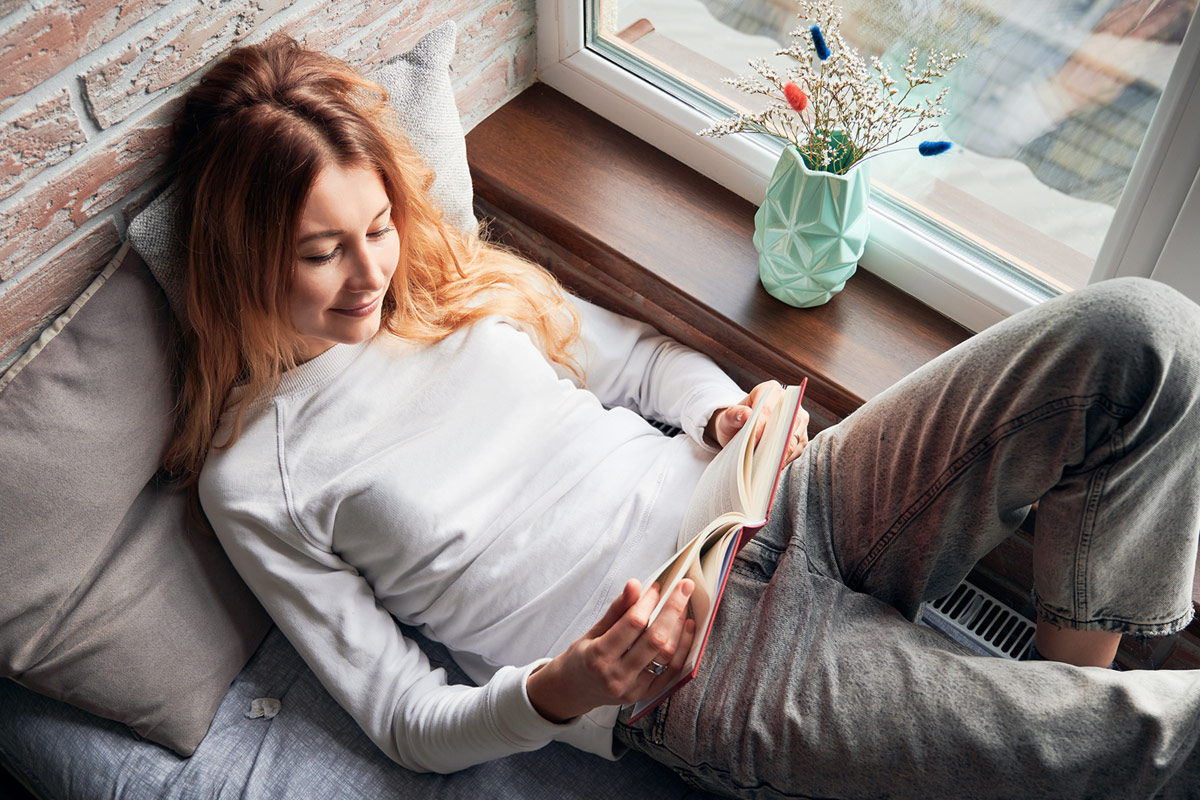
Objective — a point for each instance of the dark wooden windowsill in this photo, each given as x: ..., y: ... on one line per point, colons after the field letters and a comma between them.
x: 631, y: 228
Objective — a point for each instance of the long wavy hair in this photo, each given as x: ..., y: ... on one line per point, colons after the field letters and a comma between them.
x: 247, y: 146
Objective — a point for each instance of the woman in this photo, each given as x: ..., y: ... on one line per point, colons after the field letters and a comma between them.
x: 389, y: 420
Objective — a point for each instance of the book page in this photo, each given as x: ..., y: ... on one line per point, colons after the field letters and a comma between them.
x: 722, y: 485
x: 706, y: 567
x: 713, y: 558
x: 769, y: 452
x: 687, y: 563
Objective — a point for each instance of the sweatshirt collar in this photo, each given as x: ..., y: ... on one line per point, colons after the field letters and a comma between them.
x: 314, y: 372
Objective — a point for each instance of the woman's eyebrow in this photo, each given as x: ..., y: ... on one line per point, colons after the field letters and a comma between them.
x: 324, y: 234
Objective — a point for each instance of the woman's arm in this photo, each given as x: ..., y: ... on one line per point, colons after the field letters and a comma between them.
x: 628, y: 363
x: 354, y: 646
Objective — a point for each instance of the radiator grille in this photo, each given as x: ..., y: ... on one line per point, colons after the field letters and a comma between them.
x: 980, y: 622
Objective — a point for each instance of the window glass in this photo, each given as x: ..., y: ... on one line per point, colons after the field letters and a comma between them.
x: 1046, y: 112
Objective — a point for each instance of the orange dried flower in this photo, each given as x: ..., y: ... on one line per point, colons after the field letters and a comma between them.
x: 795, y: 97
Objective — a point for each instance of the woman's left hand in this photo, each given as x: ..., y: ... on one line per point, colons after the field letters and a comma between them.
x: 726, y: 422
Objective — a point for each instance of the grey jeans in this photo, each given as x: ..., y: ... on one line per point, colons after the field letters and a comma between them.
x: 816, y: 681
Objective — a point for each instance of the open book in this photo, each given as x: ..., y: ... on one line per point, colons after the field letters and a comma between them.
x: 729, y: 505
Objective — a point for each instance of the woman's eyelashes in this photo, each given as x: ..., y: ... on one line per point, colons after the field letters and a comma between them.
x: 327, y: 257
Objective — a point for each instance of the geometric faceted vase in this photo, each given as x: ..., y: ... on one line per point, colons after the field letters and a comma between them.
x: 810, y: 230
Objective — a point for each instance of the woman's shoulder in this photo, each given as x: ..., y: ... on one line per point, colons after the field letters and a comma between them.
x: 244, y: 486
x: 245, y: 462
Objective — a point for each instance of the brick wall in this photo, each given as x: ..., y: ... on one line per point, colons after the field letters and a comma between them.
x: 86, y: 91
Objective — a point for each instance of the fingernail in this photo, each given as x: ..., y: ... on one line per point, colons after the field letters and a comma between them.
x: 741, y: 417
x: 687, y: 588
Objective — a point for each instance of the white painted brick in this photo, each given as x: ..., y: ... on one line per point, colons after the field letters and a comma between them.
x: 37, y: 45
x: 36, y: 140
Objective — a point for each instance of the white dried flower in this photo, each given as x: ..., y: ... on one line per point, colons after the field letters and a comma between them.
x: 830, y: 104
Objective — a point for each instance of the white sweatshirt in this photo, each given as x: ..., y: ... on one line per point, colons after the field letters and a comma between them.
x: 472, y: 490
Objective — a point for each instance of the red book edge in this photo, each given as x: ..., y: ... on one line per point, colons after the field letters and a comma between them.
x: 747, y: 533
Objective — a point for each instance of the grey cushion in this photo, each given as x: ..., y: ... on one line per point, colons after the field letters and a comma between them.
x: 311, y: 749
x: 418, y: 83
x: 108, y: 600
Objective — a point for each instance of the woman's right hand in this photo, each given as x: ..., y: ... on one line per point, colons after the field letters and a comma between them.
x: 608, y: 664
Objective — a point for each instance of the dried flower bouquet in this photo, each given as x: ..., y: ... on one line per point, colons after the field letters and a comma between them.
x: 833, y: 107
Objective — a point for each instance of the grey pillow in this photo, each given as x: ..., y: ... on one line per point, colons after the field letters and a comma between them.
x: 109, y: 600
x: 418, y: 83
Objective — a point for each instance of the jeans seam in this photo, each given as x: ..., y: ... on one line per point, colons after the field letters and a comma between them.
x: 1096, y: 488
x: 1082, y: 545
x: 757, y: 567
x: 960, y: 465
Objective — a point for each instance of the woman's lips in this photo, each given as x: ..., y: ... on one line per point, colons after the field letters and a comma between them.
x: 359, y: 311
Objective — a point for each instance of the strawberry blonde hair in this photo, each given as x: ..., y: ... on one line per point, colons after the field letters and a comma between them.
x: 247, y: 146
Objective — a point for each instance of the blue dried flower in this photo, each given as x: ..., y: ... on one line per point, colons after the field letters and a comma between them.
x: 932, y: 148
x: 819, y: 43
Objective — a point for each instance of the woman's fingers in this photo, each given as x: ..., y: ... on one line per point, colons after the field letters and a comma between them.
x: 730, y: 422
x: 799, y: 438
x: 731, y: 419
x: 766, y: 387
x: 660, y: 640
x: 607, y: 665
x: 623, y: 602
x: 686, y: 638
x: 629, y: 627
x: 764, y: 392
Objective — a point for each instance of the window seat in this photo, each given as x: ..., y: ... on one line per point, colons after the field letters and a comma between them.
x: 629, y: 227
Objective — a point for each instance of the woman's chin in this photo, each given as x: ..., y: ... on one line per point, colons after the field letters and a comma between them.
x: 338, y: 330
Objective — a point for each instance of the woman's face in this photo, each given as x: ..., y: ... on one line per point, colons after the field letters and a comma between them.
x: 347, y: 251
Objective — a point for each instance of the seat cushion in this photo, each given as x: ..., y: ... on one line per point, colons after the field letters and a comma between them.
x: 312, y: 748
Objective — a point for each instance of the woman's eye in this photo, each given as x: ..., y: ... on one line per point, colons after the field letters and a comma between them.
x: 327, y: 257
x: 322, y: 259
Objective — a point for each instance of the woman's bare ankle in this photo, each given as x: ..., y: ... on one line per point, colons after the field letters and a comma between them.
x: 1081, y: 648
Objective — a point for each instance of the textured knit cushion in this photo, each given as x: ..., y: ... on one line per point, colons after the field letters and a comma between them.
x: 418, y: 83
x: 108, y: 600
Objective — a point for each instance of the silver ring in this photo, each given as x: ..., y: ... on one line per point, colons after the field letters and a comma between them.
x: 656, y: 668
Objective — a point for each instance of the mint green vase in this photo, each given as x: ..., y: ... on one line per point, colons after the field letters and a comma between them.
x: 810, y: 230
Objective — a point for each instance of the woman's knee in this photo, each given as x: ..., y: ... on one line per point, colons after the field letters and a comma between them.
x: 1138, y: 313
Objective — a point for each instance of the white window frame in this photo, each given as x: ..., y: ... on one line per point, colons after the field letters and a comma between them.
x: 1155, y: 202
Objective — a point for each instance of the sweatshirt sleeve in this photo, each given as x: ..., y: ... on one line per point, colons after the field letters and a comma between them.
x: 354, y: 646
x: 628, y: 363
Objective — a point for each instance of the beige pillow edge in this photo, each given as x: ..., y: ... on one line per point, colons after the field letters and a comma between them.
x: 62, y: 319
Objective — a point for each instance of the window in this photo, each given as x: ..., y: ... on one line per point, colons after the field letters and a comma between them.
x: 1046, y: 188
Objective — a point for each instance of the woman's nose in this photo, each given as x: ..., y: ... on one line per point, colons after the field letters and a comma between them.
x: 366, y: 272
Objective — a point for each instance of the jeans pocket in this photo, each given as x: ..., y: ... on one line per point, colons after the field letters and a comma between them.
x: 756, y: 561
